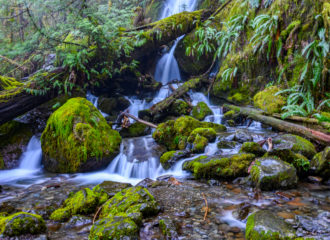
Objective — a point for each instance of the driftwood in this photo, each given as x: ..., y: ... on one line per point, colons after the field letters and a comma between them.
x: 282, y: 125
x: 149, y: 124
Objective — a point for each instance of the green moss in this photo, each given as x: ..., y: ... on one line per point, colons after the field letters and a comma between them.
x: 134, y: 130
x: 267, y: 101
x: 165, y: 158
x: 209, y: 133
x: 82, y: 202
x: 302, y: 164
x: 153, y: 10
x: 7, y: 83
x: 2, y: 163
x: 174, y: 134
x: 199, y: 144
x: 223, y: 168
x: 320, y: 163
x: 301, y: 145
x: 201, y: 110
x: 76, y: 132
x: 230, y: 114
x: 179, y: 108
x: 285, y: 33
x: 254, y: 148
x: 21, y: 223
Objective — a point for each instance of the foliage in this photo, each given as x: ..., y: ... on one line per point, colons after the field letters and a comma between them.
x: 229, y: 74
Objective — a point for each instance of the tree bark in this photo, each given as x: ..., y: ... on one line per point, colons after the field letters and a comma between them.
x: 284, y: 126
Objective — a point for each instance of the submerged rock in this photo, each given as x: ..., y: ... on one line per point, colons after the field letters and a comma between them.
x: 272, y: 173
x: 21, y: 223
x: 268, y: 101
x: 201, y: 110
x: 78, y: 139
x: 264, y: 225
x: 121, y: 216
x: 221, y: 168
x: 174, y: 134
x: 320, y: 164
x: 82, y: 202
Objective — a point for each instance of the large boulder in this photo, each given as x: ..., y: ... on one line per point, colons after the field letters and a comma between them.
x: 265, y: 225
x: 268, y: 101
x: 271, y: 173
x: 84, y: 201
x: 122, y: 215
x: 78, y: 139
x: 200, y: 111
x: 174, y: 134
x: 320, y: 164
x: 220, y: 168
x: 287, y: 146
x: 21, y: 223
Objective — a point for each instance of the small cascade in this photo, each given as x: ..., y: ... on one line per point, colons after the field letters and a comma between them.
x: 30, y: 164
x: 136, y: 105
x: 176, y: 6
x: 94, y: 100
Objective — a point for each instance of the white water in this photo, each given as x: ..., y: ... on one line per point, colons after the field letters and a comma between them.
x: 30, y: 164
x: 94, y: 100
x: 176, y: 6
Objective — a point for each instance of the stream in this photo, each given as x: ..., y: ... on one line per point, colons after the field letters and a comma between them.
x: 138, y: 160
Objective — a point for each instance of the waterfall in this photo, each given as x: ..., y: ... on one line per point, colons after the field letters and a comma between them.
x: 94, y: 100
x: 176, y: 6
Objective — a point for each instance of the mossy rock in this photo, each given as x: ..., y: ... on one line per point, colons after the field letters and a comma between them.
x: 84, y: 201
x: 77, y: 138
x: 116, y: 227
x: 169, y: 158
x: 201, y: 110
x: 174, y: 134
x: 21, y: 223
x: 111, y: 188
x: 208, y: 133
x: 14, y: 137
x: 168, y: 228
x: 271, y: 173
x: 320, y: 164
x: 302, y: 165
x: 223, y: 168
x: 287, y: 146
x: 135, y: 199
x: 199, y: 144
x: 227, y: 144
x: 268, y: 101
x: 135, y: 130
x: 243, y: 135
x: 112, y: 106
x: 254, y: 148
x: 179, y: 108
x: 265, y: 225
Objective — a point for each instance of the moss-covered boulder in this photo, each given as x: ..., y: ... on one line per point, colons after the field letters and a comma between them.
x: 116, y: 227
x: 84, y: 201
x: 221, y: 168
x: 78, y: 139
x: 174, y: 134
x: 265, y: 225
x: 21, y: 223
x: 135, y: 130
x: 179, y: 108
x: 209, y: 133
x: 201, y: 110
x: 320, y: 164
x: 268, y: 101
x: 254, y: 148
x: 121, y: 216
x: 169, y: 158
x: 271, y: 173
x: 287, y: 146
x: 223, y: 144
x: 14, y: 138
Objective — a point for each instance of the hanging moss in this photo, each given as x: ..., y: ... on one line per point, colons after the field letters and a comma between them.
x: 75, y: 134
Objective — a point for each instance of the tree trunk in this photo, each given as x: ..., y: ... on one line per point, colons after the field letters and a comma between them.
x: 283, y: 126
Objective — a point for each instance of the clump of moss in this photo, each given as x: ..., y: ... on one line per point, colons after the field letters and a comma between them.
x: 21, y: 223
x: 165, y: 158
x: 267, y: 101
x: 209, y: 133
x: 179, y: 108
x: 7, y: 83
x: 134, y: 130
x: 121, y: 215
x: 84, y: 201
x: 254, y: 148
x: 223, y: 168
x: 75, y: 135
x: 174, y: 134
x: 201, y: 110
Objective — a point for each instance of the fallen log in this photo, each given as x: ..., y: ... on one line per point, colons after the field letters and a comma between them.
x: 162, y: 106
x: 282, y: 125
x: 185, y: 96
x: 149, y: 124
x: 312, y: 121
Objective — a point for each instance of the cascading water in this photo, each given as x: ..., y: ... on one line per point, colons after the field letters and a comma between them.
x: 30, y: 164
x: 94, y: 100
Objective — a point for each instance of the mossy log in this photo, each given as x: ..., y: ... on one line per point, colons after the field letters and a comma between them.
x: 164, y: 105
x: 282, y: 125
